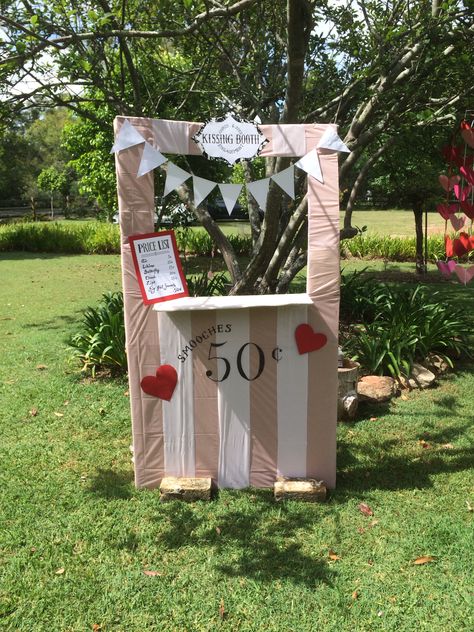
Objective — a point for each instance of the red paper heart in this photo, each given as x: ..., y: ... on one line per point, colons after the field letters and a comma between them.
x: 464, y: 274
x: 468, y: 209
x: 446, y: 267
x: 307, y: 340
x: 465, y: 161
x: 457, y: 222
x: 467, y: 173
x: 162, y: 384
x: 448, y: 183
x: 461, y: 192
x: 468, y: 136
x: 451, y: 153
x: 462, y: 245
x: 448, y: 245
x: 446, y: 210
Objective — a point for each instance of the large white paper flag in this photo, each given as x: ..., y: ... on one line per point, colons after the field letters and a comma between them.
x: 286, y: 181
x: 310, y: 164
x: 174, y: 177
x: 259, y: 190
x: 230, y: 193
x: 202, y: 188
x: 127, y: 137
x: 330, y: 140
x: 151, y: 158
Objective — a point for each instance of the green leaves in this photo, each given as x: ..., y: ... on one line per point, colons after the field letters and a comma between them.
x: 100, y: 345
x: 394, y: 327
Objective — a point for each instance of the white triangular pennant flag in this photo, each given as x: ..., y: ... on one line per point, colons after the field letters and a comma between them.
x: 174, y: 177
x: 310, y: 164
x: 127, y: 137
x: 202, y: 188
x: 286, y: 181
x: 259, y: 190
x: 330, y: 140
x: 151, y: 158
x: 230, y: 193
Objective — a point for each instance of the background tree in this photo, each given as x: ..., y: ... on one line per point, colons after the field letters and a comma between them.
x: 380, y: 70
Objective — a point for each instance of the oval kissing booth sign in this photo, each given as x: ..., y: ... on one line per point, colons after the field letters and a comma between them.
x: 230, y: 139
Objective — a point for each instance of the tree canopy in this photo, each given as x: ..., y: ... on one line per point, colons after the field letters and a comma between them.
x: 378, y: 69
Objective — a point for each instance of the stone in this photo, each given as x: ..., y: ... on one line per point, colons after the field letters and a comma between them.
x: 188, y: 489
x: 436, y: 363
x: 347, y: 406
x: 347, y: 400
x: 420, y: 377
x: 376, y: 388
x: 307, y: 489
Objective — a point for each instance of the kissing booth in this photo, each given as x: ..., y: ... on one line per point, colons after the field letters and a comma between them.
x: 241, y: 389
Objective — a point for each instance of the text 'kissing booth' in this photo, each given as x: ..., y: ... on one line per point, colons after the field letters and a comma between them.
x: 256, y: 389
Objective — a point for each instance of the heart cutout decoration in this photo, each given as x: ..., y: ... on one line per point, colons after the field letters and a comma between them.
x: 448, y: 183
x: 462, y: 245
x: 461, y: 192
x: 465, y: 161
x: 446, y: 210
x: 464, y: 274
x: 468, y: 174
x: 468, y: 209
x: 162, y: 384
x: 308, y: 340
x: 448, y: 246
x: 446, y: 267
x: 457, y: 222
x: 468, y: 136
x: 451, y: 153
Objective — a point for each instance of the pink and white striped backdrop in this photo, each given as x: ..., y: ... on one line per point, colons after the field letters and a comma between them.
x: 247, y: 406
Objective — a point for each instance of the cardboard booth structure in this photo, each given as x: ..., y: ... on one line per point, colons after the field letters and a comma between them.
x: 255, y: 395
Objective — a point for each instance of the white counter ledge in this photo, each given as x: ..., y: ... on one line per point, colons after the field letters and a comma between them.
x: 195, y: 303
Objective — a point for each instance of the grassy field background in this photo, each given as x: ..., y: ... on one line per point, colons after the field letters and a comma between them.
x: 394, y: 222
x: 77, y: 539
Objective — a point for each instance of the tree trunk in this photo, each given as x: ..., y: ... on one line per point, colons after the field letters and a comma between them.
x: 420, y: 258
x: 33, y: 208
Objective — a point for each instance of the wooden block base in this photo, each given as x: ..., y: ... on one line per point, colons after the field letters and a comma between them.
x: 307, y: 489
x: 188, y: 489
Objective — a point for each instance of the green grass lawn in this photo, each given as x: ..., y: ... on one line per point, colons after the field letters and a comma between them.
x: 394, y: 222
x: 386, y: 222
x: 76, y: 537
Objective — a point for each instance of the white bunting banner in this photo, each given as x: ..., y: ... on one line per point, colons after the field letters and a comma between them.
x: 230, y: 193
x: 151, y: 158
x: 310, y: 164
x: 286, y: 181
x: 202, y: 188
x: 259, y: 190
x: 127, y: 137
x: 330, y: 140
x: 175, y: 176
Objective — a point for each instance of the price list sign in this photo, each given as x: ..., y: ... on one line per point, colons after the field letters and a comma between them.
x: 158, y: 268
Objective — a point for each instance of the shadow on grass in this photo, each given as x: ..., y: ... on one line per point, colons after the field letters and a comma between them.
x: 111, y: 485
x: 402, y: 462
x: 395, y: 472
x: 257, y: 539
x: 56, y: 323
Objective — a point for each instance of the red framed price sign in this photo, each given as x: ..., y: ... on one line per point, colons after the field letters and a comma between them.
x: 158, y: 268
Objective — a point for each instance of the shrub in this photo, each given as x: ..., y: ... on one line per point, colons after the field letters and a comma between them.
x: 391, y: 328
x: 369, y: 246
x: 100, y: 345
x: 103, y: 239
x: 207, y: 284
